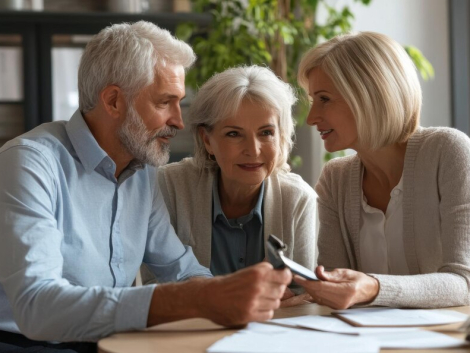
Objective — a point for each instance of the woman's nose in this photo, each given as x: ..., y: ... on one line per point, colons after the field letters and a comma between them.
x: 252, y: 146
x: 313, y: 116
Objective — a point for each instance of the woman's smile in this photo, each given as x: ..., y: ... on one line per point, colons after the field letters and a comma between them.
x: 251, y: 167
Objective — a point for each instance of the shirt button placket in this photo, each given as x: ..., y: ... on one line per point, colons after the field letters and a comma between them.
x: 242, y: 259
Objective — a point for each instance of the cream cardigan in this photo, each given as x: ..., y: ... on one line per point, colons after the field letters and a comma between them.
x: 436, y: 220
x: 289, y: 209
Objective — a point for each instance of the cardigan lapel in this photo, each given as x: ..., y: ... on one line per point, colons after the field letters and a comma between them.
x: 412, y: 148
x: 272, y: 205
x: 353, y: 214
x: 201, y: 218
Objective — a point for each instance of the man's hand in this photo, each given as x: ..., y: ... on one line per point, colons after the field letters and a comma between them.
x: 251, y: 294
x: 340, y: 288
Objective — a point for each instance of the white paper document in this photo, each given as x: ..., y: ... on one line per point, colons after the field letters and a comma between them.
x: 387, y: 337
x: 261, y: 338
x: 417, y: 339
x: 384, y: 317
x: 335, y: 325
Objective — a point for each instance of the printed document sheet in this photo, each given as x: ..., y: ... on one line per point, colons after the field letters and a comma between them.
x: 262, y: 338
x: 387, y: 337
x: 388, y: 317
x: 335, y: 325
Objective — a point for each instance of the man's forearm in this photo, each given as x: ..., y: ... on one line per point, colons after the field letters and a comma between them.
x: 251, y: 294
x: 176, y: 301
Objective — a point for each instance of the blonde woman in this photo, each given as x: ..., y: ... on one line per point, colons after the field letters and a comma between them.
x: 395, y: 217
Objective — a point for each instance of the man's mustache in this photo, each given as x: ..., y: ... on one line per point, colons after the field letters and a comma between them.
x: 168, y: 131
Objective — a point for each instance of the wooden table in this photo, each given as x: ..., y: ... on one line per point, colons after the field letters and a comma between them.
x: 196, y: 335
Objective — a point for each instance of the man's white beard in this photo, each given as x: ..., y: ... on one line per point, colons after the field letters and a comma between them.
x: 143, y: 144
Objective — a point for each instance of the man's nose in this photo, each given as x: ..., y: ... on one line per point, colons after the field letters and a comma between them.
x: 176, y: 119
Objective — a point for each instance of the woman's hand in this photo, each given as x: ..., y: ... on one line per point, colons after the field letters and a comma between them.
x: 297, y: 300
x: 290, y: 299
x: 340, y: 288
x: 287, y: 294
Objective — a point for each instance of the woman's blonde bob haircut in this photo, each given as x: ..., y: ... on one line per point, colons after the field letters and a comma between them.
x: 221, y: 96
x: 378, y: 80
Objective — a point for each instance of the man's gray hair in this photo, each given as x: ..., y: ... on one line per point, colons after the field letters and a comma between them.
x: 221, y: 96
x: 129, y: 56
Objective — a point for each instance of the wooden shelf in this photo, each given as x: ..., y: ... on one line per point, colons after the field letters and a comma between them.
x: 165, y: 20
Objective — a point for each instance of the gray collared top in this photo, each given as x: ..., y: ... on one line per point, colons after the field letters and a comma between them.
x: 236, y: 243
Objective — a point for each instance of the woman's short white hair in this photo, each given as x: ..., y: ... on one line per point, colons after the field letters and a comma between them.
x: 129, y: 56
x: 378, y: 80
x: 221, y: 96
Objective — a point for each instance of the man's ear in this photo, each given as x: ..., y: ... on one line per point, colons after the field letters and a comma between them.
x: 205, y: 138
x: 113, y: 101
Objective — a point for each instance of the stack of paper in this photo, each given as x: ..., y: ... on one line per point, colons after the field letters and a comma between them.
x: 387, y: 328
x: 334, y: 325
x: 261, y: 338
x: 419, y: 339
x: 387, y: 337
x: 387, y: 317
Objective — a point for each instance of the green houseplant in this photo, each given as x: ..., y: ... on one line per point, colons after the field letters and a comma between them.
x: 268, y: 32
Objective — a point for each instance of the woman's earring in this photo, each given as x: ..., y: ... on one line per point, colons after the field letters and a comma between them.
x: 211, y: 157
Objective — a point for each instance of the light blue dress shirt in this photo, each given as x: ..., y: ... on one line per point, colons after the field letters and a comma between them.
x: 236, y: 243
x: 73, y: 237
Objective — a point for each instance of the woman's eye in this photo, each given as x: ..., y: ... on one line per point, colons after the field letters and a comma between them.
x: 324, y: 99
x: 232, y: 134
x: 267, y: 133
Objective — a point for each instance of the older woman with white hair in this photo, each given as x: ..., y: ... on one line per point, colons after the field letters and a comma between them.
x: 395, y: 217
x: 237, y: 189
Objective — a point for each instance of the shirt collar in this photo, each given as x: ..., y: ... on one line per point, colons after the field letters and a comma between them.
x: 257, y: 210
x: 399, y: 185
x: 393, y: 194
x: 87, y: 148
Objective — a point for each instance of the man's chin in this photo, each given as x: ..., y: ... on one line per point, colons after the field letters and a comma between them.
x: 158, y: 161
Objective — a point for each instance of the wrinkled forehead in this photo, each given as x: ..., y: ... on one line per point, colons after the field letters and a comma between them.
x: 168, y: 82
x: 248, y: 102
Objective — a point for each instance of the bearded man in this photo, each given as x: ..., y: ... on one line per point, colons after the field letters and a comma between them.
x: 80, y: 210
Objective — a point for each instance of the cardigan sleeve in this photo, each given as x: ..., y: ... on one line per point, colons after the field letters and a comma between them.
x: 332, y: 251
x: 449, y: 286
x: 169, y: 201
x: 305, y: 230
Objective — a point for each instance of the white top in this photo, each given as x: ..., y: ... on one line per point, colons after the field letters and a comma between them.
x: 381, y: 236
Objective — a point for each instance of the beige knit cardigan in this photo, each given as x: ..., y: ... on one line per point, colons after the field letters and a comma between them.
x: 289, y: 208
x: 436, y: 220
